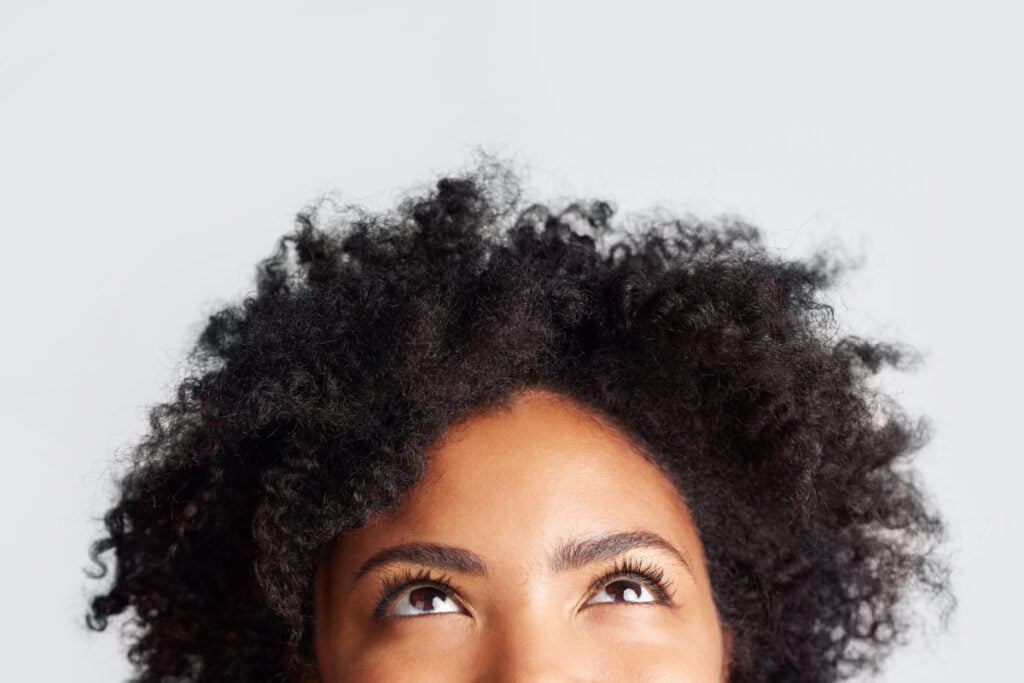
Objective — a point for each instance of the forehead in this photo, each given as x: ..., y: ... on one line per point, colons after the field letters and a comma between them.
x: 515, y: 481
x: 544, y: 445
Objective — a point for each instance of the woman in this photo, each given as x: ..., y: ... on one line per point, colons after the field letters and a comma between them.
x: 470, y: 440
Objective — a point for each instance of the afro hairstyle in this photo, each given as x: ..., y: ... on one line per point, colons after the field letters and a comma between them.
x: 307, y: 406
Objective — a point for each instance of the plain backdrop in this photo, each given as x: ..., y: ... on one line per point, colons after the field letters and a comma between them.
x: 152, y: 153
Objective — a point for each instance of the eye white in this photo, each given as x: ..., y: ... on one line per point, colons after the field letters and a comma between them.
x: 623, y: 590
x: 423, y: 600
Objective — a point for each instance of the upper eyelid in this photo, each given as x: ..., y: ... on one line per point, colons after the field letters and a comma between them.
x: 649, y: 573
x: 395, y: 585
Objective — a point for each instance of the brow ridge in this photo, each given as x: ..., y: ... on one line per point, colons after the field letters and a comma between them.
x: 569, y: 555
x: 428, y: 554
x: 580, y: 552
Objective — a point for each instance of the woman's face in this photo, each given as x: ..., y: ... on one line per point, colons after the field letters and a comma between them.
x: 539, y: 545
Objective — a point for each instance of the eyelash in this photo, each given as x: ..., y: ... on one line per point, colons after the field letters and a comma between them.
x: 393, y: 586
x: 648, y: 574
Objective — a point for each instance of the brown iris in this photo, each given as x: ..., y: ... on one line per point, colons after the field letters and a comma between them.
x: 423, y: 598
x: 618, y: 589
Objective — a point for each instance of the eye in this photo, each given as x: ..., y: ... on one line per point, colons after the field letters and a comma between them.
x: 423, y: 600
x: 623, y: 590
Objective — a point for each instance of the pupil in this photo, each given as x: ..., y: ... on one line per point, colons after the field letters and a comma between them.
x: 626, y: 591
x: 423, y: 598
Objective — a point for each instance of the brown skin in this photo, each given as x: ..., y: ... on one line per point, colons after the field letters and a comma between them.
x: 512, y: 487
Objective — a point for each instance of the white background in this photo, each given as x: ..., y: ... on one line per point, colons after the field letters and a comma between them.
x: 151, y: 154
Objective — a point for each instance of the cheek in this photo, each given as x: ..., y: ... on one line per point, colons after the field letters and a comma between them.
x: 429, y: 648
x: 652, y: 645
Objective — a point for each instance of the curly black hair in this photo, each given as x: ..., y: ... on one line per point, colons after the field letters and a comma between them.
x: 307, y: 408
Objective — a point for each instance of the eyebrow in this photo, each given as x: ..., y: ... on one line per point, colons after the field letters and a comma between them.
x: 572, y: 554
x: 427, y: 554
x: 580, y: 552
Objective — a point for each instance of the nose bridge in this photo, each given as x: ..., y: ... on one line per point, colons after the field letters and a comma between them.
x: 534, y: 646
